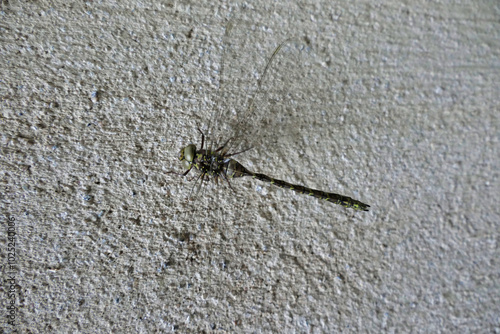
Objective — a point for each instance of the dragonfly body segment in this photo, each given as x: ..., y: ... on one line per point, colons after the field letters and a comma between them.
x: 235, y: 169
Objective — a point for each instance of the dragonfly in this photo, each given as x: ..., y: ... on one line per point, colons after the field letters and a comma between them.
x: 218, y: 163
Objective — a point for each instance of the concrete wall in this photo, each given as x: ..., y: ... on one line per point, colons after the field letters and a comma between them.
x: 395, y: 104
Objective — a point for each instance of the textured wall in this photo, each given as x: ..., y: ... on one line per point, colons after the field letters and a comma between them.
x: 393, y: 104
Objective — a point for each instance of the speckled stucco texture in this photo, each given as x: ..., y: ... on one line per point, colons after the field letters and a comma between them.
x: 395, y: 104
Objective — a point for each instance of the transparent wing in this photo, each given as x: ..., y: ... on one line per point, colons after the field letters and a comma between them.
x: 258, y: 68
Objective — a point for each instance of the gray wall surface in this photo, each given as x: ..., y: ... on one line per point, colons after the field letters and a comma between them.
x: 394, y: 104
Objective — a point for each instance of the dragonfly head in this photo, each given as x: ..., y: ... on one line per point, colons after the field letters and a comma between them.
x: 186, y: 155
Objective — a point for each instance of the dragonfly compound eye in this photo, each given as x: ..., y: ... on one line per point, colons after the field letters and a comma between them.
x: 188, y: 153
x: 186, y: 164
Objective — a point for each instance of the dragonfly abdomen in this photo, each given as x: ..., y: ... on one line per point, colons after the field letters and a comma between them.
x: 235, y: 169
x: 330, y: 197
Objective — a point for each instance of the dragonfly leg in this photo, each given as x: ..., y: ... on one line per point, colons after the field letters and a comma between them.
x: 186, y: 172
x: 223, y: 145
x: 230, y: 155
x: 202, y: 138
x: 201, y: 176
x: 229, y: 183
x: 180, y: 174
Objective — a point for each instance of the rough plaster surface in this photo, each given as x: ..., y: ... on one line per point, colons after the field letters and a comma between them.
x: 394, y: 104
